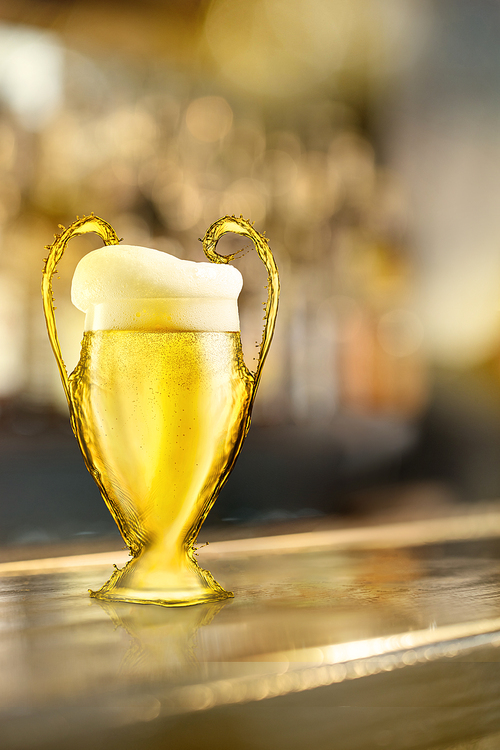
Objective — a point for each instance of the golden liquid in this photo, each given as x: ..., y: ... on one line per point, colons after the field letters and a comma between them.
x: 161, y: 419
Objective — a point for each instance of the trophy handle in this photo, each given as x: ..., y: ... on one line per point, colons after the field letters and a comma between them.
x: 245, y: 228
x: 80, y: 226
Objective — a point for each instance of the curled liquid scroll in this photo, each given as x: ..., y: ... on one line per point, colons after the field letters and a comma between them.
x: 164, y: 569
x: 242, y: 226
x: 81, y: 226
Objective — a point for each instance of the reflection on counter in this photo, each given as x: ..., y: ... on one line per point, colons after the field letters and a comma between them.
x: 163, y: 641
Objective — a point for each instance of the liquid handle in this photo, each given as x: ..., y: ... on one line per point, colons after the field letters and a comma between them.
x: 245, y: 228
x: 81, y: 226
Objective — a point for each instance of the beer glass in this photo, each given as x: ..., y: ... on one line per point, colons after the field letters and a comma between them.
x: 160, y: 415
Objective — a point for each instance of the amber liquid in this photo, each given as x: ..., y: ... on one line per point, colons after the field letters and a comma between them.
x: 160, y: 419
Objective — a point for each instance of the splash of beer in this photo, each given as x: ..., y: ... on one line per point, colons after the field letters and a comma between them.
x: 161, y: 398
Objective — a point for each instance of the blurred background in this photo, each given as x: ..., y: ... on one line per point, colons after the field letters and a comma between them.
x: 363, y: 136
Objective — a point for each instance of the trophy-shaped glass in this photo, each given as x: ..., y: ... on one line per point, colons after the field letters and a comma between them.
x: 161, y: 398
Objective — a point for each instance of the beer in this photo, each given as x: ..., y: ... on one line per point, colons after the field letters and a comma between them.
x: 160, y: 400
x: 161, y: 418
x: 163, y: 394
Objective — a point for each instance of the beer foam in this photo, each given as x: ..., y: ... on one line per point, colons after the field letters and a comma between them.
x: 137, y: 288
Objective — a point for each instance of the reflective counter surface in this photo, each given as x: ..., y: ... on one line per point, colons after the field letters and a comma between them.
x: 384, y: 636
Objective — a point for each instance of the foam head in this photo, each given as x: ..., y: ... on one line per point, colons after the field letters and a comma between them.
x: 137, y: 288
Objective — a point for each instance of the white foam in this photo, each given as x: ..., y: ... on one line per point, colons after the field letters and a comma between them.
x: 137, y: 288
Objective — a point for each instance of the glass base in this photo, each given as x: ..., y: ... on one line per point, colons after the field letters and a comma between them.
x: 175, y: 586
